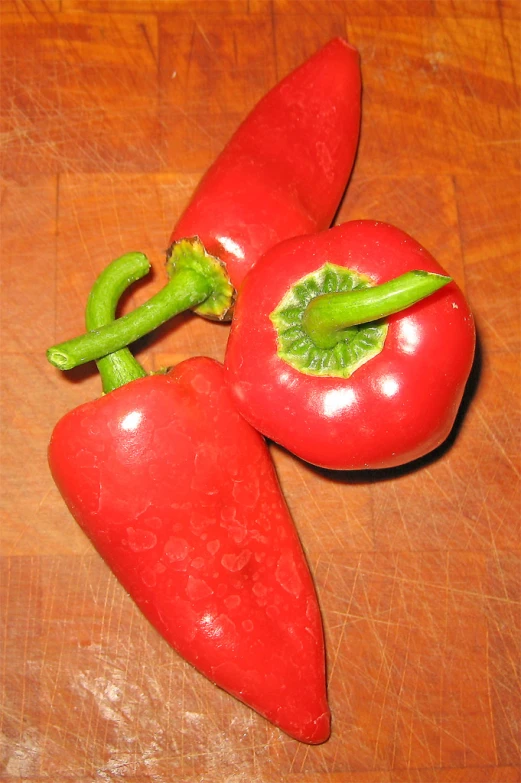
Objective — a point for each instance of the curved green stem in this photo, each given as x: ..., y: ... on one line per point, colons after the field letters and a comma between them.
x: 185, y: 289
x: 197, y: 281
x: 329, y: 318
x: 120, y: 367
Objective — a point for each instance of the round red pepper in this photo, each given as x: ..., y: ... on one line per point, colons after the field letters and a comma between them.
x: 396, y: 406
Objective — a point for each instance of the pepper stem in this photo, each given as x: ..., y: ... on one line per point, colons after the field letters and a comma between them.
x: 182, y: 291
x: 329, y: 318
x: 120, y: 367
x: 197, y: 281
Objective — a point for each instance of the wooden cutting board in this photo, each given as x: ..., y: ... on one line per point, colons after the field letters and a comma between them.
x: 111, y: 111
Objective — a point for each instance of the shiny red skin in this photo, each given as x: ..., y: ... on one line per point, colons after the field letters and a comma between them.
x: 396, y: 407
x: 179, y: 496
x: 284, y: 171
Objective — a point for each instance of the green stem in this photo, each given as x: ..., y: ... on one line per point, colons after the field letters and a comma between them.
x: 120, y: 367
x: 329, y: 318
x: 185, y: 289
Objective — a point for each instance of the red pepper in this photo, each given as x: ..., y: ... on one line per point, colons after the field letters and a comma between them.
x: 337, y: 394
x: 285, y: 169
x: 179, y: 496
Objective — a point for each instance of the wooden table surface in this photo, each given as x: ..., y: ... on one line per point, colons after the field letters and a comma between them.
x: 111, y: 111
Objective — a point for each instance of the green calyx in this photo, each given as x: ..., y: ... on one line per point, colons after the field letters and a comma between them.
x: 332, y: 321
x: 360, y: 343
x: 190, y: 254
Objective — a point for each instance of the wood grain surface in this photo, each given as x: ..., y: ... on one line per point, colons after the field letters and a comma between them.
x: 111, y: 111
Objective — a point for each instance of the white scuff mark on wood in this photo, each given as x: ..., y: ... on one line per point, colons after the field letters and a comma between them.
x: 24, y: 759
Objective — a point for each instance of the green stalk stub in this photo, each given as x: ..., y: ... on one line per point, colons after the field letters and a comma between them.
x: 328, y: 318
x: 297, y: 348
x: 190, y: 254
x: 331, y: 321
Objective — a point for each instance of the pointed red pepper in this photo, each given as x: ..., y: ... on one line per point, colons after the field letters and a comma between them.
x: 286, y: 167
x: 322, y: 360
x: 179, y: 496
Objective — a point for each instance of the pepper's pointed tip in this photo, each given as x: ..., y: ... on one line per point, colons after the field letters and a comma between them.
x: 322, y: 729
x: 314, y: 732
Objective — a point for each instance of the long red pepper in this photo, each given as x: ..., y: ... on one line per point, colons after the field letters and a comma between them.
x: 285, y: 169
x: 179, y: 496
